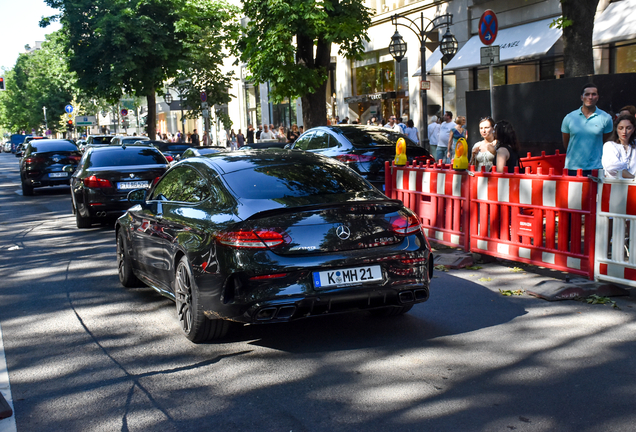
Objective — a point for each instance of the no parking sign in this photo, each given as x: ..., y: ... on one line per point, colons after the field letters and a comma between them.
x: 488, y: 27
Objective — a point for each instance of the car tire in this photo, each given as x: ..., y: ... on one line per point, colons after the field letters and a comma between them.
x: 27, y: 190
x: 391, y: 311
x: 81, y: 221
x: 124, y: 265
x: 194, y: 324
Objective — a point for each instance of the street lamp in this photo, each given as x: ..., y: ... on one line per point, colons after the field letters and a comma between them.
x: 448, y: 47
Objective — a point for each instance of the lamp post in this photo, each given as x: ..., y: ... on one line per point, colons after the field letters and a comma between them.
x: 448, y: 47
x: 168, y: 99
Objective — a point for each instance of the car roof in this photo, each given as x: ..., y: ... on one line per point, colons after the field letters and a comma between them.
x: 227, y: 162
x: 110, y: 147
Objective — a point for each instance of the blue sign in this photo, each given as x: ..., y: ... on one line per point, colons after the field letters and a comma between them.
x: 68, y: 108
x: 204, y: 97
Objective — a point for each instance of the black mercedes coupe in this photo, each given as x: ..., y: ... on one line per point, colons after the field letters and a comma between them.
x: 270, y: 236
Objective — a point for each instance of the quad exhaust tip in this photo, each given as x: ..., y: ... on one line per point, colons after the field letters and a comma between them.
x: 270, y: 313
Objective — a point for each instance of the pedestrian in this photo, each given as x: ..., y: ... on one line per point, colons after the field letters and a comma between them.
x: 443, y: 137
x: 507, y: 147
x: 455, y: 134
x: 232, y: 140
x: 259, y: 132
x: 402, y: 125
x: 189, y: 137
x: 374, y: 121
x: 619, y: 160
x: 266, y: 134
x: 484, y: 151
x: 195, y: 138
x: 411, y: 132
x: 392, y: 124
x: 240, y: 139
x: 628, y: 109
x: 584, y: 131
x: 250, y: 134
x: 282, y: 137
x: 292, y: 134
x: 433, y: 135
x: 179, y: 137
x: 301, y: 129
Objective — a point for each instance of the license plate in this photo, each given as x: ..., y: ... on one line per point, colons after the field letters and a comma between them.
x: 58, y: 174
x: 349, y: 276
x: 133, y: 185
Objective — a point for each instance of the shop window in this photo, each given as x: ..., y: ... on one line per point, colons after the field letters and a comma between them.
x: 624, y: 58
x: 483, y: 77
x: 521, y: 73
x: 551, y: 69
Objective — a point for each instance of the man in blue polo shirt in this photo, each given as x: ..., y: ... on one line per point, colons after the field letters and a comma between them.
x: 584, y: 132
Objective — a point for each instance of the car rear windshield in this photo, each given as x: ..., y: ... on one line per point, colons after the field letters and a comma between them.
x: 365, y: 138
x: 52, y: 146
x: 172, y: 147
x: 115, y: 156
x: 281, y: 181
x: 101, y: 140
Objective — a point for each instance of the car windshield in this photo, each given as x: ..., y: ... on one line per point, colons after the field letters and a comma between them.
x: 131, y: 140
x: 115, y: 156
x: 367, y: 138
x: 281, y: 181
x: 171, y: 147
x: 101, y: 140
x: 52, y: 146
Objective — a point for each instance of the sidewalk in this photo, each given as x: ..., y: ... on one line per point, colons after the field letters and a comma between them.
x: 503, y: 275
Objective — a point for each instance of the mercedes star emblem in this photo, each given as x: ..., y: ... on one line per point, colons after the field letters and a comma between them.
x: 343, y: 232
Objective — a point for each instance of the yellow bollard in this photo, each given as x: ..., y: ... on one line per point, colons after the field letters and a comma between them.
x: 400, y: 152
x: 461, y: 155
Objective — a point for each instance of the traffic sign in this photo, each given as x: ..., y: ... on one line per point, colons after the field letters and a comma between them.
x: 68, y: 108
x: 124, y: 112
x: 204, y: 105
x: 425, y: 85
x: 488, y: 27
x: 69, y: 115
x: 489, y: 55
x: 85, y: 121
x: 205, y: 113
x: 204, y: 97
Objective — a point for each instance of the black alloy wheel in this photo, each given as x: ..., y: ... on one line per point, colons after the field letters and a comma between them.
x: 124, y: 265
x: 194, y: 324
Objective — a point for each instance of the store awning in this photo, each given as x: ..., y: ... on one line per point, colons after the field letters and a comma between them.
x: 431, y: 61
x: 616, y: 23
x: 517, y: 43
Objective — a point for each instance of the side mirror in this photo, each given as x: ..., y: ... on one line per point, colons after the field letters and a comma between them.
x: 287, y: 146
x: 137, y: 196
x: 69, y: 168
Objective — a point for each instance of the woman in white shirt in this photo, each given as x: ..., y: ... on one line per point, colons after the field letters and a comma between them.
x: 619, y: 153
x: 411, y: 132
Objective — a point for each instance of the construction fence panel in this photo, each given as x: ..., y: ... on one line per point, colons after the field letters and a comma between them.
x: 616, y: 232
x: 542, y: 219
x: 438, y: 195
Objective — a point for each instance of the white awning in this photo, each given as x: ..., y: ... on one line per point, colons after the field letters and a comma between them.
x: 616, y: 23
x: 431, y: 61
x: 517, y: 43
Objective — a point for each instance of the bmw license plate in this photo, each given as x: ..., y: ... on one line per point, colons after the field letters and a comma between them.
x: 132, y: 185
x: 349, y: 276
x: 58, y: 174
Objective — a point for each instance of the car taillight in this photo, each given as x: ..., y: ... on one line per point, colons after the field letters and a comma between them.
x: 74, y: 158
x: 355, y: 158
x: 94, y: 182
x: 424, y: 159
x: 405, y: 224
x: 32, y: 160
x: 169, y: 158
x: 154, y: 182
x: 257, y: 239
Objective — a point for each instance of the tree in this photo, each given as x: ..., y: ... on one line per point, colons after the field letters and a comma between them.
x: 131, y: 47
x: 288, y: 42
x: 39, y: 79
x: 578, y: 27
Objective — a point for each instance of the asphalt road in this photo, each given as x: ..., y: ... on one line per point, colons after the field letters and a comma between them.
x: 85, y: 354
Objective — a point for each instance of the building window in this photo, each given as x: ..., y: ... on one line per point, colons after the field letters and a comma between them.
x: 375, y: 74
x: 253, y: 103
x: 624, y: 58
x: 518, y: 73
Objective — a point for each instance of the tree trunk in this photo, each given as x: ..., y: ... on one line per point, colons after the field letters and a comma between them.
x: 578, y: 58
x: 151, y: 119
x: 314, y: 105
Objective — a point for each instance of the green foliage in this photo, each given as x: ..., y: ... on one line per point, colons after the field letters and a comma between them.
x: 281, y: 37
x: 561, y: 23
x: 39, y: 79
